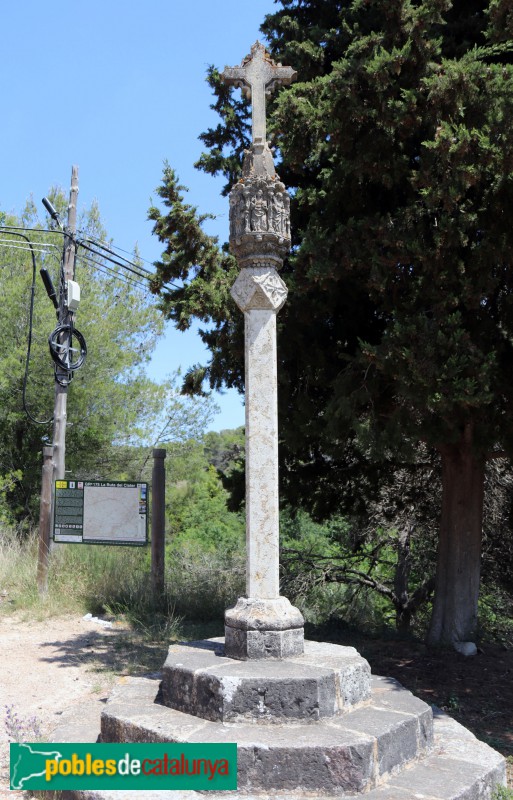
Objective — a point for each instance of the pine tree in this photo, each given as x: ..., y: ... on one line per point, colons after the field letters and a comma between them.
x: 397, y: 145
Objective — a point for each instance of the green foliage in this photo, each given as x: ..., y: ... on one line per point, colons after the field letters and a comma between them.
x: 397, y: 146
x: 501, y: 793
x: 369, y: 577
x: 113, y: 408
x: 202, y: 585
x: 496, y: 615
x: 206, y: 272
x: 199, y: 518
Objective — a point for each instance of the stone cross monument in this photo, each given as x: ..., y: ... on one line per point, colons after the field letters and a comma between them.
x: 307, y: 718
x: 263, y: 624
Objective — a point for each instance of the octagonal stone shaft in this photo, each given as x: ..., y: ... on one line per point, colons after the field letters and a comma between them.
x: 262, y: 503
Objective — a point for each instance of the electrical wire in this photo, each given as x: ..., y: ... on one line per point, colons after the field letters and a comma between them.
x: 110, y: 249
x: 148, y: 272
x: 127, y: 266
x: 101, y: 263
x: 109, y: 246
x: 5, y: 243
x: 29, y: 340
x: 89, y: 261
x: 81, y: 242
x: 32, y: 230
x: 60, y: 352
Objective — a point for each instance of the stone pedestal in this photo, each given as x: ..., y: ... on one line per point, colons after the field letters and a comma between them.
x: 198, y: 678
x: 263, y: 628
x: 315, y: 725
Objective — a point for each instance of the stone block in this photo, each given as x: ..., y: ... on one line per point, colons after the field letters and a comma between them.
x: 326, y: 680
x: 395, y: 734
x: 446, y: 779
x: 353, y: 673
x: 245, y: 645
x: 328, y: 758
x: 395, y: 697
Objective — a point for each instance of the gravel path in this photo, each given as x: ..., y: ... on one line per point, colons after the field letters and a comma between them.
x: 46, y: 668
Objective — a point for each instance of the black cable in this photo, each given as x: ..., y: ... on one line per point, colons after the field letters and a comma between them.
x: 58, y: 350
x: 112, y: 247
x: 80, y: 242
x: 34, y: 230
x: 148, y: 273
x: 89, y: 261
x: 108, y: 249
x: 29, y: 341
x: 113, y: 261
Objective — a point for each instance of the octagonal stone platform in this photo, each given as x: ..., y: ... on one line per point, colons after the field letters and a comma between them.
x: 325, y: 680
x: 391, y: 746
x: 344, y: 754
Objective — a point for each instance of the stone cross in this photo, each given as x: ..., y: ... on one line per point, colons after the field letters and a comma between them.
x: 263, y: 624
x: 257, y: 76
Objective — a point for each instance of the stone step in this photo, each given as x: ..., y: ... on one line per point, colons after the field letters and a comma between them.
x: 325, y: 680
x: 459, y: 767
x: 456, y: 766
x: 349, y: 753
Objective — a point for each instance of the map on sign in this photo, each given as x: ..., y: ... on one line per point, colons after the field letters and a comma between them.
x: 101, y: 512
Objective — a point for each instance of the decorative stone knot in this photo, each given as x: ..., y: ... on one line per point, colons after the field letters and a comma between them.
x: 259, y: 221
x: 259, y: 287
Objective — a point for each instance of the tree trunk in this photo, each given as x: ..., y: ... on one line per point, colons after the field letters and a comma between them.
x: 454, y: 616
x: 401, y: 579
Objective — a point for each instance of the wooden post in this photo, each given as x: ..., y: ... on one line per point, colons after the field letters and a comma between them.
x: 45, y: 520
x: 158, y: 517
x: 67, y: 268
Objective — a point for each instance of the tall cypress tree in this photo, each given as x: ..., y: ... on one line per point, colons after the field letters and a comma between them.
x: 398, y: 148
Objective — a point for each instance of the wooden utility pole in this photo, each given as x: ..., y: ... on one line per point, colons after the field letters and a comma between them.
x: 158, y: 518
x: 65, y: 317
x: 45, y: 520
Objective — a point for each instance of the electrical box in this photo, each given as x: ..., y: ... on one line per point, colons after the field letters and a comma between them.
x: 73, y: 295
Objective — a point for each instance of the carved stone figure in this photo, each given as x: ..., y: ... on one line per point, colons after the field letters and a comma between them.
x: 247, y: 212
x: 278, y: 214
x: 259, y: 212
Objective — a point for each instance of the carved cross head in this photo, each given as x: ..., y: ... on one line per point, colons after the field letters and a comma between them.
x: 257, y: 76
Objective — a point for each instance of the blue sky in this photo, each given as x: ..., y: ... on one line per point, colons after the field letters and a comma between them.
x: 117, y: 87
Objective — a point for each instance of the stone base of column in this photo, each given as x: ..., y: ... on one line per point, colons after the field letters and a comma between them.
x: 264, y: 628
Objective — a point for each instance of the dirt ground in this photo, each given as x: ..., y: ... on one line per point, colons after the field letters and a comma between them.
x: 47, y: 667
x: 50, y: 666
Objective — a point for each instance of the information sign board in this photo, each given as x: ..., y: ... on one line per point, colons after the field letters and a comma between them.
x: 101, y: 512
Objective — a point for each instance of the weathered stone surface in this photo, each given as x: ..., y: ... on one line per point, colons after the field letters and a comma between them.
x: 324, y: 681
x: 349, y: 752
x: 260, y: 239
x: 259, y: 287
x: 257, y: 76
x: 263, y: 614
x: 458, y: 767
x: 259, y: 218
x: 395, y: 734
x: 388, y: 694
x: 303, y: 756
x: 262, y: 625
x: 263, y: 644
x: 352, y: 671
